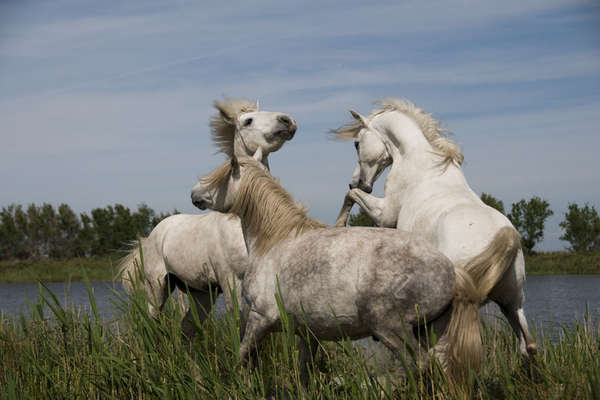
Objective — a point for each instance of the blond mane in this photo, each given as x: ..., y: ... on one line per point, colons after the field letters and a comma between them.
x: 222, y: 124
x: 431, y: 128
x: 214, y: 179
x: 269, y: 213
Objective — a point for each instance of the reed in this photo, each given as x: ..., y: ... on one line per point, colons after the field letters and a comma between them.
x: 54, y: 352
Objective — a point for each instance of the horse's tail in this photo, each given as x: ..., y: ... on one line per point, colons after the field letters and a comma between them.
x: 474, y: 281
x: 130, y: 270
x: 489, y: 266
x: 464, y: 348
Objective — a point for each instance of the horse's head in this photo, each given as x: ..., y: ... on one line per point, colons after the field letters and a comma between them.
x: 372, y: 153
x: 217, y: 190
x: 265, y: 130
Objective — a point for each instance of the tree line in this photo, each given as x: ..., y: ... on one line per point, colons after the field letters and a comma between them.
x: 47, y: 232
x: 43, y: 231
x: 580, y: 225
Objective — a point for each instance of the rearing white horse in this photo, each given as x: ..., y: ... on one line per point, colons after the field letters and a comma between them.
x: 426, y: 193
x: 200, y: 251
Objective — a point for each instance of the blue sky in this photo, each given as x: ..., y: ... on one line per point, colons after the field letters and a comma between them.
x: 108, y: 102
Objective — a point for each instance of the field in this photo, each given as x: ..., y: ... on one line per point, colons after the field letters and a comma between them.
x: 69, y: 354
x: 104, y: 268
x: 98, y: 268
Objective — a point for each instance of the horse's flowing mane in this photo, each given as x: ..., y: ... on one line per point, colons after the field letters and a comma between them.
x: 214, y: 179
x: 435, y: 135
x: 268, y: 212
x: 222, y: 124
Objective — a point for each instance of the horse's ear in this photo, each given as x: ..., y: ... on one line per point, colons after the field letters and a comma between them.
x: 359, y: 118
x: 225, y: 114
x: 258, y: 155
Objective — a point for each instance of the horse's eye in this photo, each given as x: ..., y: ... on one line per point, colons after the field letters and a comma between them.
x: 356, y: 145
x: 248, y: 122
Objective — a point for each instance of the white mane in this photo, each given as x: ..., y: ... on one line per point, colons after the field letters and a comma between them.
x: 223, y: 123
x: 435, y: 135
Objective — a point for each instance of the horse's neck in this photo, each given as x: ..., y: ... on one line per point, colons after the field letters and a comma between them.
x: 264, y: 227
x: 415, y: 162
x: 402, y: 133
x: 410, y: 188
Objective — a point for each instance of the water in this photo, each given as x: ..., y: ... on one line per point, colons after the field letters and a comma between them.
x: 552, y: 300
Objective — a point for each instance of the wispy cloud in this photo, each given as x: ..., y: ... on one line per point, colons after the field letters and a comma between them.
x: 109, y: 102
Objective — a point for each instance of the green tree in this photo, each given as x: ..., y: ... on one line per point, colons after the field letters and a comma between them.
x: 22, y: 225
x: 361, y: 219
x: 68, y: 228
x: 582, y: 228
x: 33, y: 231
x: 124, y: 229
x: 49, y: 239
x: 12, y: 239
x: 102, y: 223
x: 492, y: 202
x: 86, y: 237
x: 529, y: 217
x: 143, y: 218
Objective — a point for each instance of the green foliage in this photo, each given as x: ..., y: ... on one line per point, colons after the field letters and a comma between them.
x: 12, y: 239
x: 96, y: 268
x: 361, y: 219
x: 582, y: 228
x: 492, y: 202
x: 562, y: 262
x: 46, y: 232
x: 528, y: 217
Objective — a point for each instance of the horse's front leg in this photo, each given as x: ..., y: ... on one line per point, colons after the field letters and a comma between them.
x: 342, y: 218
x: 373, y: 206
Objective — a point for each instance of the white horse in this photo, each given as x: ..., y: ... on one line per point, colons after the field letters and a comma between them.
x: 195, y: 252
x: 343, y: 282
x: 426, y: 193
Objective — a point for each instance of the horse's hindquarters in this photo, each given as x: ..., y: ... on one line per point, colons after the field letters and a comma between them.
x: 355, y: 279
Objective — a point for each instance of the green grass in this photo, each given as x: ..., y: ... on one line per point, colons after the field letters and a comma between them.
x: 70, y: 354
x: 98, y: 268
x: 103, y: 268
x: 562, y: 263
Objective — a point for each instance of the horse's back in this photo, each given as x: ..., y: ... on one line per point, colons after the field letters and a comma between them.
x: 189, y: 244
x: 353, y: 271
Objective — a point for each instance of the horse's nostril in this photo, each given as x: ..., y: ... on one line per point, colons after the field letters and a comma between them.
x: 285, y: 120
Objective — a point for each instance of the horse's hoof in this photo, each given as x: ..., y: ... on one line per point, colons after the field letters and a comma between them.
x: 532, y: 349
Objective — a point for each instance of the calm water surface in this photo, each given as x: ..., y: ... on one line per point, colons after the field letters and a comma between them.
x: 552, y: 300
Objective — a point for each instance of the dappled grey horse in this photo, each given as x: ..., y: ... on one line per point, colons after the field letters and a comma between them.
x: 343, y: 282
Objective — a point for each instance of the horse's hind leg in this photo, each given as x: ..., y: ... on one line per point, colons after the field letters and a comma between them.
x: 203, y: 302
x: 509, y: 296
x: 403, y: 343
x: 158, y: 291
x: 307, y: 350
x: 518, y: 322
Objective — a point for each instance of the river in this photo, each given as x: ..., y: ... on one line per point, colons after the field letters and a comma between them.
x: 551, y: 300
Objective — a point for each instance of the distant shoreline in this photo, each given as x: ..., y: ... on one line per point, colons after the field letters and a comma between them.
x: 95, y: 269
x: 104, y: 268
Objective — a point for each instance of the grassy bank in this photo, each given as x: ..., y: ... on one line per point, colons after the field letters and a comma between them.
x: 99, y: 268
x: 563, y: 263
x: 139, y: 357
x: 103, y: 268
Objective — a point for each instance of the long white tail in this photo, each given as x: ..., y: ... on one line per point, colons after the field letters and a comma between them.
x: 473, y: 284
x: 131, y: 267
x: 489, y: 266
